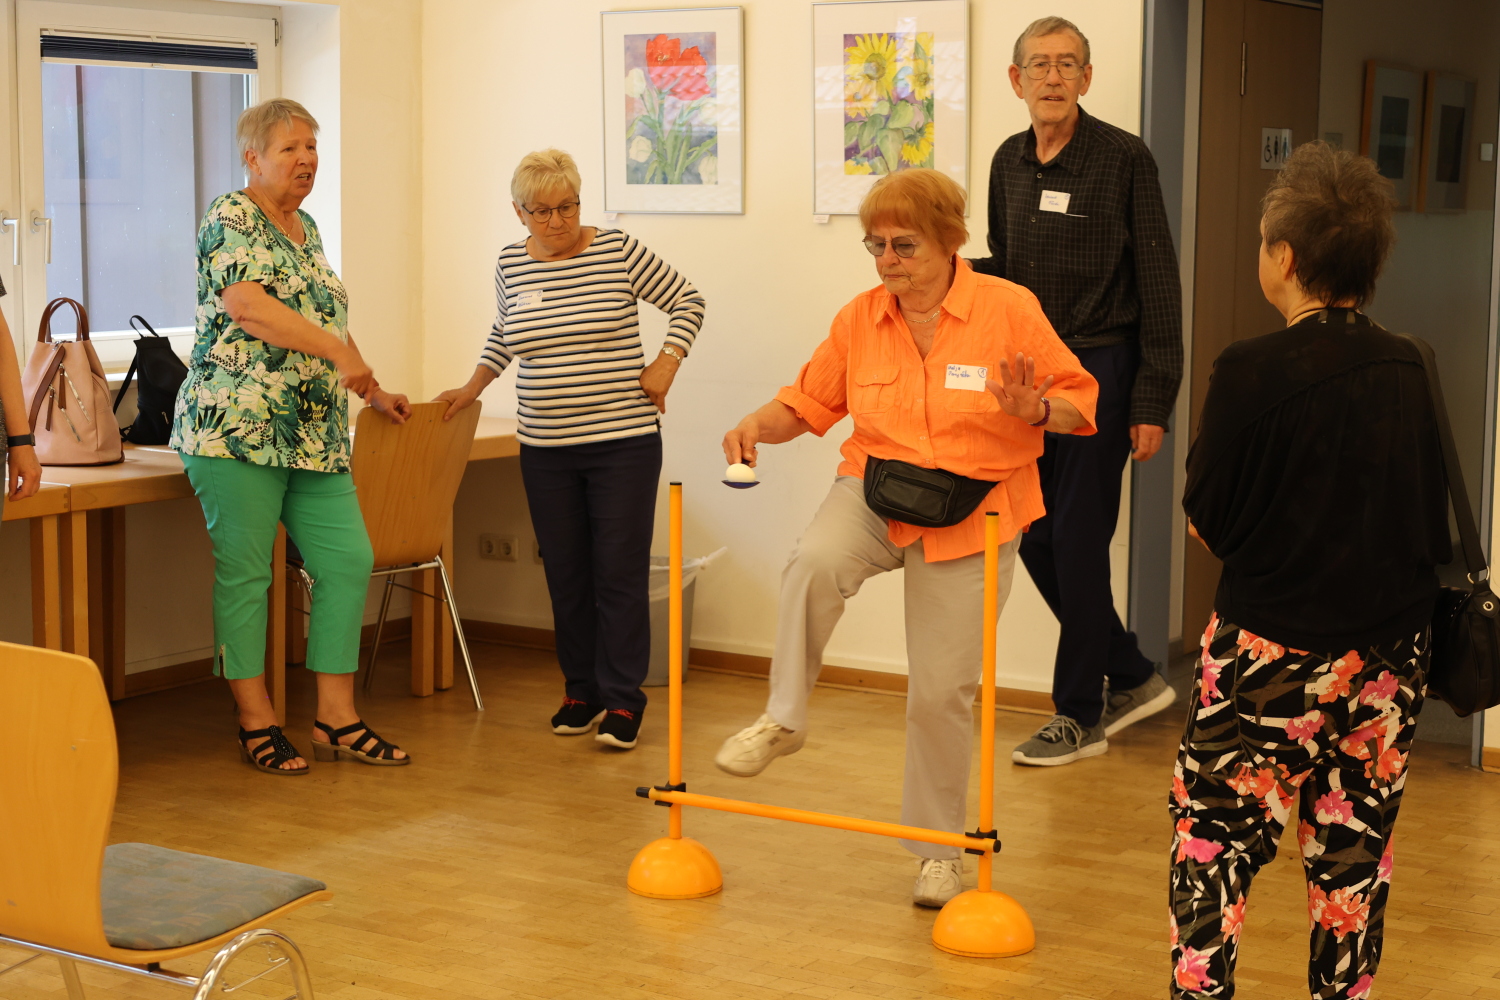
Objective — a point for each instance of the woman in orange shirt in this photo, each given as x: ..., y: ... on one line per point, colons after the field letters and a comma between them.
x: 938, y: 442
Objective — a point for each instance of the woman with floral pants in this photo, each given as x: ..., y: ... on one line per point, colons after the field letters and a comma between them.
x: 1316, y: 479
x: 1268, y: 721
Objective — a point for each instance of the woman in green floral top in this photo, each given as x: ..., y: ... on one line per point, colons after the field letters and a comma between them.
x: 263, y: 427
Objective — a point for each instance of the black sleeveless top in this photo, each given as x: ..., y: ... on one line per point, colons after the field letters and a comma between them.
x: 1317, y: 478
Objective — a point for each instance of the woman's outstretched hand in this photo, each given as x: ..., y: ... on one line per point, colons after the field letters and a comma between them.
x: 1018, y: 391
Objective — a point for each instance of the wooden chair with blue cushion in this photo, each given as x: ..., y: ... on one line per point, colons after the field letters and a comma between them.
x: 127, y: 907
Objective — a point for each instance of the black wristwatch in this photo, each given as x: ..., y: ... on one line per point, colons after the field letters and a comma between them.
x: 19, y: 440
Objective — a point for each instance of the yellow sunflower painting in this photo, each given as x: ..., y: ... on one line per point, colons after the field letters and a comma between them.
x: 888, y: 102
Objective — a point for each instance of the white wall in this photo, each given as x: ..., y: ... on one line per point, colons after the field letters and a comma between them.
x: 773, y: 279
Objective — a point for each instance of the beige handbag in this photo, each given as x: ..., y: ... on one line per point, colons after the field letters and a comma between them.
x: 68, y: 397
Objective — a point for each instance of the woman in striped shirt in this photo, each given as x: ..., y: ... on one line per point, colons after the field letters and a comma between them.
x: 589, y: 410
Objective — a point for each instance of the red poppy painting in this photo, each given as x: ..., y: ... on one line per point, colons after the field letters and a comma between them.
x: 670, y: 110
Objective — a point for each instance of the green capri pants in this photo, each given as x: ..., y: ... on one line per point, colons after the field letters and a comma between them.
x: 242, y: 503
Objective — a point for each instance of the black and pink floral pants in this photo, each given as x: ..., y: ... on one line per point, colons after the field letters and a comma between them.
x: 1266, y: 722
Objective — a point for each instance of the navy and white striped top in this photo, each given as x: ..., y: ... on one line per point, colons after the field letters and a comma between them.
x: 575, y: 326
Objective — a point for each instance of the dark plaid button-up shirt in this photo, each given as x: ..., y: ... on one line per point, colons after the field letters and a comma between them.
x: 1103, y: 267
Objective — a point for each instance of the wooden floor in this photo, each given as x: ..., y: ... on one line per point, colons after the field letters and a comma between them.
x: 494, y: 867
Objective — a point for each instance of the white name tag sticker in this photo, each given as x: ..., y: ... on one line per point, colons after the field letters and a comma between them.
x: 529, y: 299
x: 970, y: 377
x: 1055, y: 201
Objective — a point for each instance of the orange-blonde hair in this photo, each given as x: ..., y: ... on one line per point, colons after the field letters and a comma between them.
x: 926, y: 200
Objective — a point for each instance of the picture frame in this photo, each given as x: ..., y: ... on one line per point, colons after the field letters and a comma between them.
x: 674, y: 110
x: 1447, y: 143
x: 890, y: 92
x: 1391, y: 126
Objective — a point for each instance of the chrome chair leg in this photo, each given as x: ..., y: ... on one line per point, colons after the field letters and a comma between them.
x: 385, y: 606
x: 458, y: 630
x: 70, y: 978
x: 292, y: 955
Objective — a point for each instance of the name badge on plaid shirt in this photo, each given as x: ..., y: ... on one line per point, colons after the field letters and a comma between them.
x: 1055, y: 201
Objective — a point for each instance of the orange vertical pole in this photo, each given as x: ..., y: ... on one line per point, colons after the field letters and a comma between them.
x: 987, y: 697
x: 674, y: 655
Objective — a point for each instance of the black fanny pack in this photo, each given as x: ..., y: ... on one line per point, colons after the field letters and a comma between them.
x: 927, y: 498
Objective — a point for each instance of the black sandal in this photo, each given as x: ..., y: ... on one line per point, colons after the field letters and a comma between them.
x: 368, y: 749
x: 271, y: 754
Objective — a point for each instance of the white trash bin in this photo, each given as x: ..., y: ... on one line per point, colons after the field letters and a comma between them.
x: 658, y: 674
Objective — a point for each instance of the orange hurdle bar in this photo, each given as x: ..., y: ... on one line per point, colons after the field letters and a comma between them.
x: 821, y: 819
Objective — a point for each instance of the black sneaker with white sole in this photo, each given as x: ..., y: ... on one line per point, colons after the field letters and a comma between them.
x: 620, y: 728
x: 576, y: 717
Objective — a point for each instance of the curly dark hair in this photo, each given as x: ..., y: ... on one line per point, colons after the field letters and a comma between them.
x: 1335, y: 211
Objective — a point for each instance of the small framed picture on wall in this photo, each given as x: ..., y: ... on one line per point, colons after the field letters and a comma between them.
x: 674, y: 110
x: 1391, y: 127
x: 1447, y: 139
x: 890, y: 92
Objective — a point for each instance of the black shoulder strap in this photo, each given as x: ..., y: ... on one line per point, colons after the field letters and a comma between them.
x: 1468, y: 531
x: 125, y: 385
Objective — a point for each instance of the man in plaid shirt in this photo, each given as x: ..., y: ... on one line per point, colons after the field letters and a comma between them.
x: 1076, y: 216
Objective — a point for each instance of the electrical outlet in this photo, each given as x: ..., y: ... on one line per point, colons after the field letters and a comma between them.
x: 536, y: 551
x: 501, y: 547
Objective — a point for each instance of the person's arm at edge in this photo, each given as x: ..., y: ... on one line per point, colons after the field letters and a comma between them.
x: 994, y: 264
x: 23, y: 471
x: 1159, y: 285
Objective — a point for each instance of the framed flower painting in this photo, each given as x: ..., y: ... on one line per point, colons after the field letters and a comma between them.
x: 890, y: 92
x: 673, y: 110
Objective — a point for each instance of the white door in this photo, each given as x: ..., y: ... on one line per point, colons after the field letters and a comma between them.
x: 126, y: 123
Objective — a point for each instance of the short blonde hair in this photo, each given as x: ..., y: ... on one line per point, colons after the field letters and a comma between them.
x: 926, y: 200
x: 258, y: 121
x: 542, y: 171
x: 1041, y: 28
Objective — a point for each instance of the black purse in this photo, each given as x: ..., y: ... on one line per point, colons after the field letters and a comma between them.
x: 927, y: 498
x: 161, y: 375
x: 1465, y: 663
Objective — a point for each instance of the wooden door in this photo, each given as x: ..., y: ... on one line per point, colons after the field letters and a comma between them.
x: 1261, y: 62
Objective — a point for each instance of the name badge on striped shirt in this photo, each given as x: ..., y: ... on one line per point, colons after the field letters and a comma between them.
x: 970, y: 377
x: 529, y: 299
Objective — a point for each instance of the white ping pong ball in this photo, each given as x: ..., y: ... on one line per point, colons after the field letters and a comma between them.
x: 739, y: 473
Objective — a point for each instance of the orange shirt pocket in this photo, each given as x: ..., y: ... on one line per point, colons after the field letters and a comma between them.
x: 873, y: 390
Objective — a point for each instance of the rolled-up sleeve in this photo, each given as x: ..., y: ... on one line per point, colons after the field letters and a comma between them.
x: 820, y: 393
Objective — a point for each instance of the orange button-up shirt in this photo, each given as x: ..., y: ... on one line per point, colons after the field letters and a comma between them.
x: 902, y: 408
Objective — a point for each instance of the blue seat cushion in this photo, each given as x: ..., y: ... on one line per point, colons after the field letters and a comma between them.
x: 155, y: 898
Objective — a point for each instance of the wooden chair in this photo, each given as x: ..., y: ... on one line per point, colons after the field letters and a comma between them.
x: 126, y: 907
x: 407, y: 476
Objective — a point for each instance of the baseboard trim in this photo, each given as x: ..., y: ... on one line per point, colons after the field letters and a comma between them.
x: 1490, y: 759
x: 745, y: 665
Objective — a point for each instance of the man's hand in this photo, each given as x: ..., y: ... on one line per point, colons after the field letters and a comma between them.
x: 1145, y: 441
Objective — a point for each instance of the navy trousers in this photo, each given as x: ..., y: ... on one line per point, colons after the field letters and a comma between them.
x: 1067, y: 551
x: 593, y: 507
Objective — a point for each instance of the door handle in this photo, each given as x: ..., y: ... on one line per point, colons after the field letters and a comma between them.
x: 15, y: 237
x: 39, y: 222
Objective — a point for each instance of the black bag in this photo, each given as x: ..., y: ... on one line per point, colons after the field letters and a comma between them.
x: 1465, y: 667
x: 161, y: 375
x: 927, y: 498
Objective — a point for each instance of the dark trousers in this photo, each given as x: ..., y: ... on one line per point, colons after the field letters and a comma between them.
x: 593, y: 507
x: 1067, y: 551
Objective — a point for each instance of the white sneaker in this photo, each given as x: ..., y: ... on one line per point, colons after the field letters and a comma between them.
x: 938, y: 880
x: 749, y: 751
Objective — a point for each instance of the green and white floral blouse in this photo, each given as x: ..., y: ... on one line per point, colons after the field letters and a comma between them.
x: 244, y: 398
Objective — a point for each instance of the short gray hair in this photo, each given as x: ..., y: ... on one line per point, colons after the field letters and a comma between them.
x: 542, y: 171
x: 257, y: 122
x: 1044, y: 26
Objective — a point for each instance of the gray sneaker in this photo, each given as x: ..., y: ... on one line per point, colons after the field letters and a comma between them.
x: 1061, y: 741
x: 1124, y: 708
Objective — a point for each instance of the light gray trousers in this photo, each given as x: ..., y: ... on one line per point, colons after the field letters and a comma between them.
x: 844, y: 546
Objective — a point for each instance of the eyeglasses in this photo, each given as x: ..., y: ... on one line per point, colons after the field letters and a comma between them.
x: 1068, y: 69
x: 903, y: 248
x: 568, y: 211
